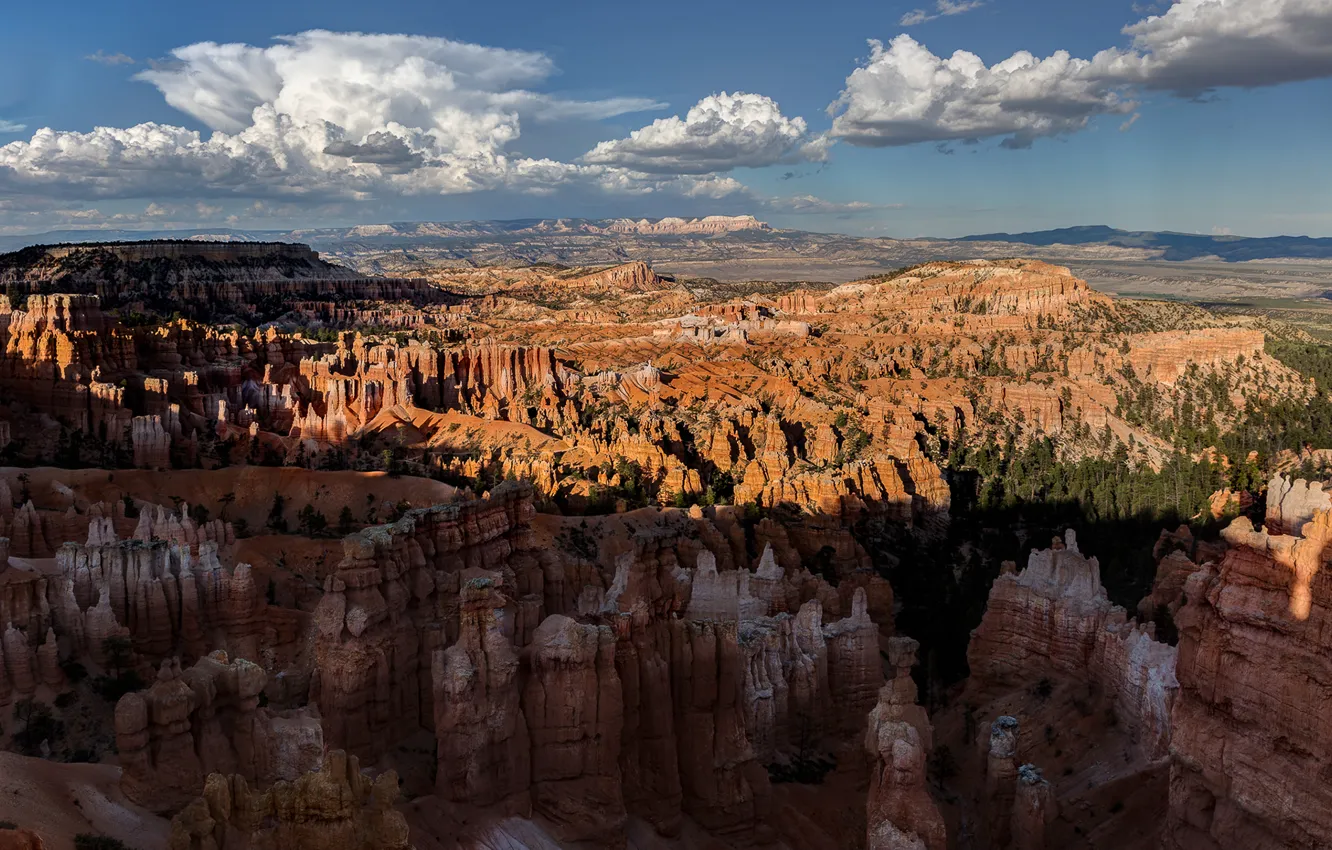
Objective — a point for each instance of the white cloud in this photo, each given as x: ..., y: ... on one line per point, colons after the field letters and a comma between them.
x: 1200, y: 45
x: 323, y: 118
x: 721, y: 132
x: 467, y: 94
x: 105, y: 58
x: 316, y: 116
x: 1127, y: 125
x: 904, y: 94
x: 943, y: 8
x: 11, y: 126
x: 811, y: 205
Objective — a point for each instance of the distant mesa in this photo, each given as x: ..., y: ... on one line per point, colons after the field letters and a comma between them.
x: 185, y: 249
x: 674, y: 226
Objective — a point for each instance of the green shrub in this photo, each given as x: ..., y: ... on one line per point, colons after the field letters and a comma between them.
x: 74, y: 671
x: 112, y: 688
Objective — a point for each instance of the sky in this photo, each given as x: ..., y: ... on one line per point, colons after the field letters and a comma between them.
x: 941, y: 118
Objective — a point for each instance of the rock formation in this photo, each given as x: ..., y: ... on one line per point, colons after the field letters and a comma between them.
x: 484, y: 753
x: 1251, y: 747
x: 332, y: 808
x: 167, y: 600
x: 901, y: 813
x: 1033, y: 809
x: 699, y: 607
x: 575, y: 713
x: 678, y: 226
x: 20, y: 839
x: 207, y: 719
x: 1054, y: 619
x: 1001, y: 774
x: 395, y: 598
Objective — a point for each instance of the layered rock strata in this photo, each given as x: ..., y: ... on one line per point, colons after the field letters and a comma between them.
x: 1251, y: 748
x: 207, y: 719
x: 1054, y: 620
x: 332, y: 808
x: 900, y: 811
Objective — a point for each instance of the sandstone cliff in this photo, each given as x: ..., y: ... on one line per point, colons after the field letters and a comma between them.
x: 1250, y: 747
x: 1054, y: 619
x: 333, y: 808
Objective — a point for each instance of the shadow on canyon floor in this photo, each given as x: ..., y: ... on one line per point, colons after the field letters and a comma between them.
x: 941, y: 585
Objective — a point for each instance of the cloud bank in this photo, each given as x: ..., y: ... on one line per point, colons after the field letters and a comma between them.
x: 1200, y: 45
x: 904, y: 94
x: 318, y: 115
x: 323, y: 118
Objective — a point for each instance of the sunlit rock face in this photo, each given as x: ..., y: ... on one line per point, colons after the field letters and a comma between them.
x: 1251, y: 746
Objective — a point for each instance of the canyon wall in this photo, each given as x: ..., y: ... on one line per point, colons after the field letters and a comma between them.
x: 1053, y: 619
x: 1252, y: 745
x: 207, y: 719
x: 333, y: 808
x: 660, y: 690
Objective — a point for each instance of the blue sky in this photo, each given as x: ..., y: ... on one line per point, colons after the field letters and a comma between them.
x: 1232, y: 98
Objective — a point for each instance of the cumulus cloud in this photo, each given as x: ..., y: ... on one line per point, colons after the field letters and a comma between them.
x: 904, y: 94
x: 1200, y: 45
x: 943, y: 8
x: 104, y: 58
x: 317, y: 116
x: 721, y: 132
x: 383, y: 149
x: 11, y: 127
x: 466, y: 93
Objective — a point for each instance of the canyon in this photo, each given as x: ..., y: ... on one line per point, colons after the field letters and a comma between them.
x: 556, y: 557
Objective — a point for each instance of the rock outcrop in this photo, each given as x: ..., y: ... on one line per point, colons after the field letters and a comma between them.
x: 678, y: 226
x: 1251, y: 747
x: 203, y: 720
x: 397, y: 596
x: 332, y: 808
x: 167, y: 600
x: 1001, y: 774
x: 1033, y: 808
x: 900, y: 812
x: 484, y: 753
x: 1054, y: 620
x: 575, y: 713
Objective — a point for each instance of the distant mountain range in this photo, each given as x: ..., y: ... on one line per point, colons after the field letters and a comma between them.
x: 588, y: 241
x: 1174, y: 246
x: 419, y: 231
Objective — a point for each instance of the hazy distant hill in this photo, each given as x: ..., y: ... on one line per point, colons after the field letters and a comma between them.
x: 735, y: 246
x: 1174, y: 246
